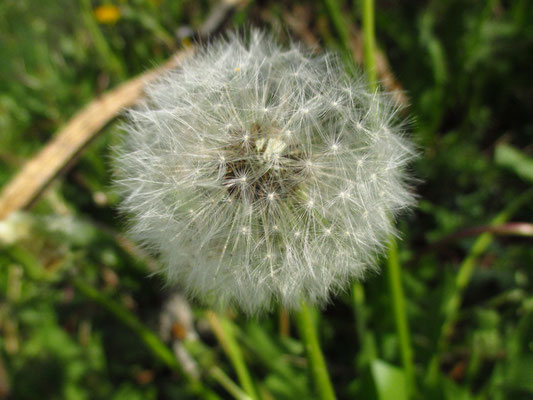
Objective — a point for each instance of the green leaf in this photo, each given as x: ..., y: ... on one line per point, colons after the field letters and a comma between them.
x: 510, y: 158
x: 390, y: 381
x: 519, y: 374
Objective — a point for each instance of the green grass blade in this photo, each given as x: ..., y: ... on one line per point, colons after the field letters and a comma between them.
x: 224, y: 332
x: 400, y: 314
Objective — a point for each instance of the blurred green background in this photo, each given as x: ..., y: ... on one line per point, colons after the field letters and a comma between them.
x: 466, y: 69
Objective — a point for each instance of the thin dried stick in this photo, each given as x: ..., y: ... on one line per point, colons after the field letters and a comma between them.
x: 37, y: 174
x: 520, y: 229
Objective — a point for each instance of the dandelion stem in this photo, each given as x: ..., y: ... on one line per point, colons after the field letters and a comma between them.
x: 366, y: 338
x: 466, y: 269
x: 400, y: 315
x: 284, y: 322
x: 151, y: 341
x: 317, y: 363
x: 393, y: 264
x: 369, y: 39
x: 224, y: 332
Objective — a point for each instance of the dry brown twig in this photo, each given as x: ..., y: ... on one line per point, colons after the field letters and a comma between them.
x: 37, y: 174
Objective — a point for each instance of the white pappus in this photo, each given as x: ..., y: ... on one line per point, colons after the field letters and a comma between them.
x: 262, y: 174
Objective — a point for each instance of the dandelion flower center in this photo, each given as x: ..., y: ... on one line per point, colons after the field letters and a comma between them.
x: 265, y: 165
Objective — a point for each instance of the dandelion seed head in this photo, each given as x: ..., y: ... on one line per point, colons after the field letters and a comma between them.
x: 233, y: 167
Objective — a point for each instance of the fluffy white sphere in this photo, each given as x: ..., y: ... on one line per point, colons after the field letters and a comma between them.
x: 263, y: 174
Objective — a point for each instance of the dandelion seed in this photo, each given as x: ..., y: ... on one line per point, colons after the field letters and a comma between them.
x: 238, y: 192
